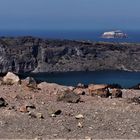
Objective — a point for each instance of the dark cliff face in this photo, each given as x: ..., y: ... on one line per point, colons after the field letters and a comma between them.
x: 28, y: 54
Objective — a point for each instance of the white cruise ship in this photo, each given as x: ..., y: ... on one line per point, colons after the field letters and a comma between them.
x: 114, y: 34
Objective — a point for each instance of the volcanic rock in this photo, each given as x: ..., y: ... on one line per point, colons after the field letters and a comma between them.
x: 39, y: 116
x: 30, y: 105
x: 116, y: 93
x: 80, y: 91
x: 80, y: 125
x: 53, y: 112
x: 29, y: 82
x: 11, y: 79
x: 68, y: 96
x: 79, y: 116
x: 3, y: 103
x: 135, y: 100
x: 23, y: 109
x: 99, y: 90
x: 53, y: 87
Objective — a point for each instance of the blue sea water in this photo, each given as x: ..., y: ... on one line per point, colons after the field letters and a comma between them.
x: 92, y: 35
x: 123, y: 78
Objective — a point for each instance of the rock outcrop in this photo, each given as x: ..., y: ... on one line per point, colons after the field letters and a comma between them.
x: 116, y: 93
x: 28, y: 54
x: 99, y: 90
x: 68, y: 96
x: 11, y: 79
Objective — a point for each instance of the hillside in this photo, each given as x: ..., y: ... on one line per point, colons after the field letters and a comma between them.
x: 29, y: 54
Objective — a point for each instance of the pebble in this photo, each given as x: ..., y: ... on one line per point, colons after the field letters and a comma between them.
x: 110, y: 97
x: 32, y: 115
x: 53, y: 115
x: 80, y: 116
x: 54, y: 112
x: 23, y: 109
x: 134, y: 131
x: 43, y: 103
x: 39, y: 115
x: 80, y: 125
x: 30, y: 105
x: 38, y: 138
x: 88, y: 138
x: 55, y: 135
x: 114, y: 103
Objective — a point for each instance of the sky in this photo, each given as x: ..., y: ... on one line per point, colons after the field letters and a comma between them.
x: 69, y: 14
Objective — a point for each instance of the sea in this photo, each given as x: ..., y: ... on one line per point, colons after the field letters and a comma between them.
x: 86, y: 35
x: 123, y: 78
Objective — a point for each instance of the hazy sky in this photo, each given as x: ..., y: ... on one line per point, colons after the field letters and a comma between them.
x: 69, y: 14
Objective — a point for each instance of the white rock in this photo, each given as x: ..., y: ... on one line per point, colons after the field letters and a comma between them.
x: 11, y: 78
x: 88, y: 138
x: 80, y: 116
x: 80, y: 125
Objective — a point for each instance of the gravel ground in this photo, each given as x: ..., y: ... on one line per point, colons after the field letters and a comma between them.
x: 101, y: 117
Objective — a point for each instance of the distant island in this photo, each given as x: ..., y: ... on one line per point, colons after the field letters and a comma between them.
x: 31, y: 54
x: 114, y: 34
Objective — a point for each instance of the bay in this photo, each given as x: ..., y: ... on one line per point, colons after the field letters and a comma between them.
x: 124, y: 78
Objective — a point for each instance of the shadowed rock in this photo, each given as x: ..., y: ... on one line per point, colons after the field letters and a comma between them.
x: 116, y: 93
x: 135, y: 100
x: 3, y: 103
x: 30, y: 82
x: 80, y: 91
x: 68, y: 96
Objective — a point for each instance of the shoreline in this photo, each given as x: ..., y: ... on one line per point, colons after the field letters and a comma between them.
x: 98, y: 77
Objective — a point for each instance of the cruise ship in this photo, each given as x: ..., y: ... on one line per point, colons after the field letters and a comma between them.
x: 114, y: 34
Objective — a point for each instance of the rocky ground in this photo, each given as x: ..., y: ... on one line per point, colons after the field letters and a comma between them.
x: 29, y: 110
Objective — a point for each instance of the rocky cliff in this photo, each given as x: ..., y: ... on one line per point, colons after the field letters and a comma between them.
x: 28, y: 54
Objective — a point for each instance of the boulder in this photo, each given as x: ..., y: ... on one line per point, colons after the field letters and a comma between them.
x: 53, y: 87
x: 11, y: 79
x: 68, y: 96
x: 96, y: 86
x: 80, y: 91
x: 29, y: 82
x: 116, y: 93
x: 99, y: 90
